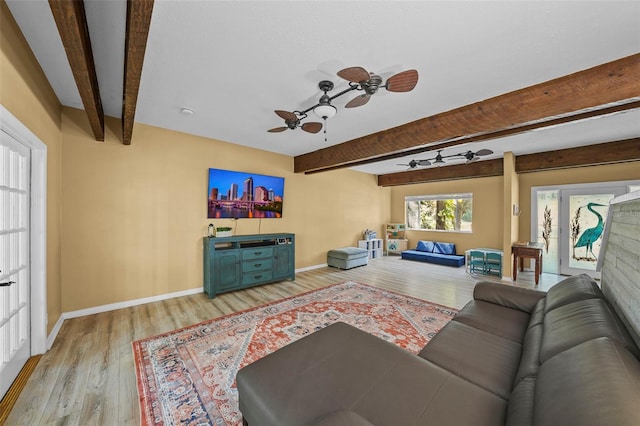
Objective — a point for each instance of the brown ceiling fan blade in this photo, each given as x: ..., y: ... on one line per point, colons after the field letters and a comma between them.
x: 354, y: 74
x: 484, y: 152
x: 286, y: 115
x: 313, y: 127
x: 277, y: 129
x: 358, y: 101
x: 403, y: 82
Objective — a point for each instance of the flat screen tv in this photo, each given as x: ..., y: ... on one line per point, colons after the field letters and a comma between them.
x: 241, y: 195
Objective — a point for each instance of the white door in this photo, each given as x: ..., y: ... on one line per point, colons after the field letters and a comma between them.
x: 15, y: 317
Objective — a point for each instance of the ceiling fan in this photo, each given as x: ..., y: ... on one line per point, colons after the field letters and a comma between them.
x: 359, y: 79
x: 439, y: 159
x: 292, y: 121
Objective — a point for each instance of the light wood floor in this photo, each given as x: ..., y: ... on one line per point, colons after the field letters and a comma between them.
x: 88, y: 378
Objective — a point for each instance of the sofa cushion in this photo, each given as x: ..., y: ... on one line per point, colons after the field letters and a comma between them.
x: 520, y: 407
x: 537, y: 314
x: 425, y: 246
x: 494, y: 361
x: 495, y: 319
x: 444, y: 248
x: 440, y: 259
x: 530, y: 360
x: 414, y: 255
x: 572, y: 289
x: 510, y: 296
x: 578, y: 322
x: 594, y: 383
x: 445, y: 259
x: 343, y: 368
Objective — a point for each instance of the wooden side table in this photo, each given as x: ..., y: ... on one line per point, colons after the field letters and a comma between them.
x: 529, y: 251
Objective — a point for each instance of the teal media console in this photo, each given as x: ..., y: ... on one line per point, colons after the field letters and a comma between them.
x: 234, y: 263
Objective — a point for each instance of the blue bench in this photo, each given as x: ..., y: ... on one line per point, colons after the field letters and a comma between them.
x: 435, y: 252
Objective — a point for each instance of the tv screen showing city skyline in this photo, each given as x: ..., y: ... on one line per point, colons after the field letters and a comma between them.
x: 243, y: 195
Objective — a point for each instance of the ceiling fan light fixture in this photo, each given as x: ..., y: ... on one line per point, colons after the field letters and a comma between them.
x: 325, y: 111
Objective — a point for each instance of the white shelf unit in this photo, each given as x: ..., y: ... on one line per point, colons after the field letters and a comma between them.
x: 373, y: 246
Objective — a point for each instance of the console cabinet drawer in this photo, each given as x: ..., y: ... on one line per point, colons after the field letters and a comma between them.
x: 256, y: 277
x: 256, y: 265
x: 257, y: 253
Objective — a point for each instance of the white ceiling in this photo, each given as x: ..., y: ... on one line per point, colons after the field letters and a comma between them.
x: 234, y: 62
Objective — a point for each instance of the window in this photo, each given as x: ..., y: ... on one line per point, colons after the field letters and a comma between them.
x: 445, y: 212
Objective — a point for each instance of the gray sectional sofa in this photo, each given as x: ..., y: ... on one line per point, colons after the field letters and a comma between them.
x: 511, y: 356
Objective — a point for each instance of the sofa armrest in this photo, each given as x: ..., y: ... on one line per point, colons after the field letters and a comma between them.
x: 523, y: 299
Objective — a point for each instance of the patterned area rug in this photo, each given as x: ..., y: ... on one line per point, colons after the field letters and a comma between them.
x: 187, y: 376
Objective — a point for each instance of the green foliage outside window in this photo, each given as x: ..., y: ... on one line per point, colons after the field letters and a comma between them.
x: 440, y: 212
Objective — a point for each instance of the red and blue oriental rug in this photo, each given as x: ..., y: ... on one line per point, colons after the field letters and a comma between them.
x: 187, y: 376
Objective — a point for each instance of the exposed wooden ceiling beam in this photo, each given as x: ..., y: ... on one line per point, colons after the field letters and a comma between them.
x: 589, y: 155
x: 138, y: 23
x: 489, y: 136
x: 434, y: 174
x: 72, y: 25
x: 593, y: 91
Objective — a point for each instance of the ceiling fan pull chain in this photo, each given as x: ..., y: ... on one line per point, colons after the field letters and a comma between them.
x: 325, y: 129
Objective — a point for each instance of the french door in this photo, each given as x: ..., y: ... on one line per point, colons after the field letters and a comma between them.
x: 569, y: 220
x: 15, y: 318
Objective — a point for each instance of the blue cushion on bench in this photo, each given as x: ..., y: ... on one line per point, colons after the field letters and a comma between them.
x: 444, y: 248
x: 446, y: 259
x: 426, y: 246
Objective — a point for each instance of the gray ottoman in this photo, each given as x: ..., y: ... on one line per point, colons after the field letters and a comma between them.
x: 347, y: 257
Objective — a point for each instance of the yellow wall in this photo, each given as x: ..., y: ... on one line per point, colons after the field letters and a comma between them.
x: 487, y: 212
x: 134, y: 216
x: 26, y: 93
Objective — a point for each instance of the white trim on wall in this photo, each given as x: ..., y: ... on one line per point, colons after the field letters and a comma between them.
x: 144, y: 300
x: 311, y: 268
x: 130, y: 303
x: 12, y: 126
x: 136, y: 302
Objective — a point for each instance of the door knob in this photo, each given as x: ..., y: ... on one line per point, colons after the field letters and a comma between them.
x: 7, y: 284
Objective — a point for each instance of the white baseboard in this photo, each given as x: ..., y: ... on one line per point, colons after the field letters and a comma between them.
x: 310, y: 268
x: 54, y: 333
x: 129, y: 303
x: 112, y: 307
x: 136, y: 302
